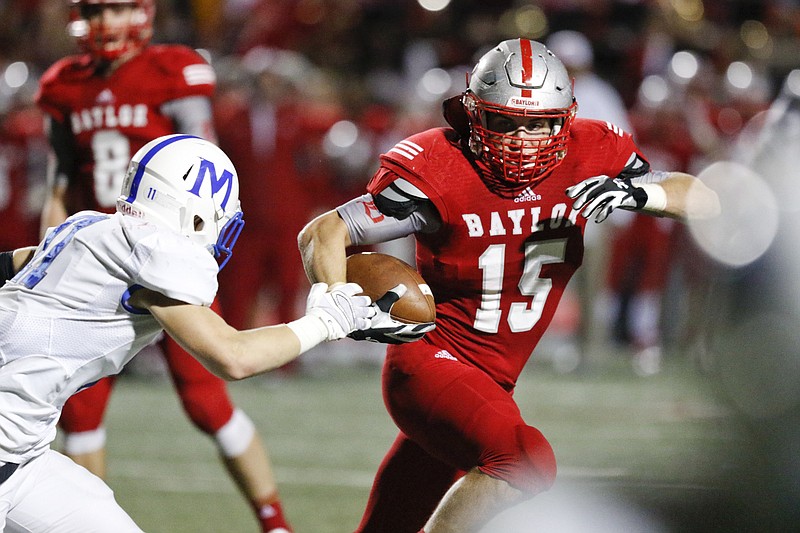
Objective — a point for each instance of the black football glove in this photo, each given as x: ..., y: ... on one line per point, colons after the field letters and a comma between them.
x: 600, y: 195
x: 385, y: 329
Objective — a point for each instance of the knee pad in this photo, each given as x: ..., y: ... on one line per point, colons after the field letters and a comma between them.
x: 84, y: 442
x: 524, y: 459
x: 235, y: 436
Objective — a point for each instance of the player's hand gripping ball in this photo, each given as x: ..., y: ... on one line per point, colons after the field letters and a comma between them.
x: 405, y: 314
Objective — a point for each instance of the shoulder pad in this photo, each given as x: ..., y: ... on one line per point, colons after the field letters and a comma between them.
x: 635, y: 167
x: 593, y: 127
x: 183, y: 63
x: 422, y: 150
x: 399, y: 199
x: 67, y: 67
x: 622, y: 152
x: 64, y: 70
x: 50, y: 93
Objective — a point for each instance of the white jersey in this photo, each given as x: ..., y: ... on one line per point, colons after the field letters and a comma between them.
x: 65, y: 321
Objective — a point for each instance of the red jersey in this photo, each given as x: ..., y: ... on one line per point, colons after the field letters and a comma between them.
x: 112, y: 117
x: 498, y: 265
x: 23, y: 149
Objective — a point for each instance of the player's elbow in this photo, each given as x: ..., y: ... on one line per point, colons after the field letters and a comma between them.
x: 230, y: 361
x: 233, y: 368
x: 322, y: 243
x: 237, y: 374
x: 325, y: 227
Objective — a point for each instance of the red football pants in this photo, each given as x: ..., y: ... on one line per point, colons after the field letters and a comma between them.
x: 453, y: 418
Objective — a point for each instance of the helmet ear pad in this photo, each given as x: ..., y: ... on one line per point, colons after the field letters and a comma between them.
x: 456, y: 116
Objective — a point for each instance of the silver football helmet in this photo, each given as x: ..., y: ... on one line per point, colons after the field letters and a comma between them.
x: 519, y: 78
x: 188, y: 185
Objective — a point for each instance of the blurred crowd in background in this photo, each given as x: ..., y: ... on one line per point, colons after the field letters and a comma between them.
x: 310, y: 92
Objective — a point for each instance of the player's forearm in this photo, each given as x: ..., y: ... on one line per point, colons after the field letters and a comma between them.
x: 53, y: 213
x: 252, y: 352
x: 687, y: 198
x: 323, y: 244
x: 226, y: 352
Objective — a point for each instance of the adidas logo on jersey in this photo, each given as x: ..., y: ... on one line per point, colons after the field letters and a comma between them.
x: 527, y: 195
x: 444, y: 354
x: 105, y: 97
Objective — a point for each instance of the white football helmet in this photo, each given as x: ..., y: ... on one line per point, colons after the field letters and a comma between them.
x: 188, y: 185
x: 519, y: 78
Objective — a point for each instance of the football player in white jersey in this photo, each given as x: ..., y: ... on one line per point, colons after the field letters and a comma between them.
x: 101, y: 287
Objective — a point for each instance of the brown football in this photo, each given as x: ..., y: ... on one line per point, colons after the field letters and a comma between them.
x: 378, y: 273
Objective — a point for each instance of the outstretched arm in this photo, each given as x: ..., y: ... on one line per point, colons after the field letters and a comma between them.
x: 686, y: 197
x: 232, y: 354
x: 672, y: 194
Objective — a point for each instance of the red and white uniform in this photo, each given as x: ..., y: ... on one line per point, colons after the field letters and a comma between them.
x: 497, y: 263
x: 108, y: 119
x: 112, y: 117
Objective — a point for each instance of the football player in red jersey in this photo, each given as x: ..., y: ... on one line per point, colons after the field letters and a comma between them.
x: 498, y: 205
x: 102, y: 106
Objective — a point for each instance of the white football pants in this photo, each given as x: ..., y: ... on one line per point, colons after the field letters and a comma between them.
x: 52, y: 494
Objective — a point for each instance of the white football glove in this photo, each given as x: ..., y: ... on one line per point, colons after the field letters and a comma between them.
x: 340, y: 309
x: 600, y: 195
x: 385, y: 329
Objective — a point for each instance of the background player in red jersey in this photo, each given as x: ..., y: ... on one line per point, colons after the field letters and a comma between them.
x: 498, y: 205
x: 102, y: 106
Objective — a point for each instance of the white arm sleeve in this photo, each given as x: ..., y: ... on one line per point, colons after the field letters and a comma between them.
x: 366, y: 228
x: 652, y: 176
x: 191, y: 115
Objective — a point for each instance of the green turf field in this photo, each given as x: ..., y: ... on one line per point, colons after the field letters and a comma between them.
x: 662, y: 442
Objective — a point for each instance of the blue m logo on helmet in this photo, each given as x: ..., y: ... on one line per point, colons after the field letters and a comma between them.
x: 177, y: 198
x: 225, y: 180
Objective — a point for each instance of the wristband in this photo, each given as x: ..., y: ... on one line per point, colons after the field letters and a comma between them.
x: 656, y: 197
x: 310, y: 330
